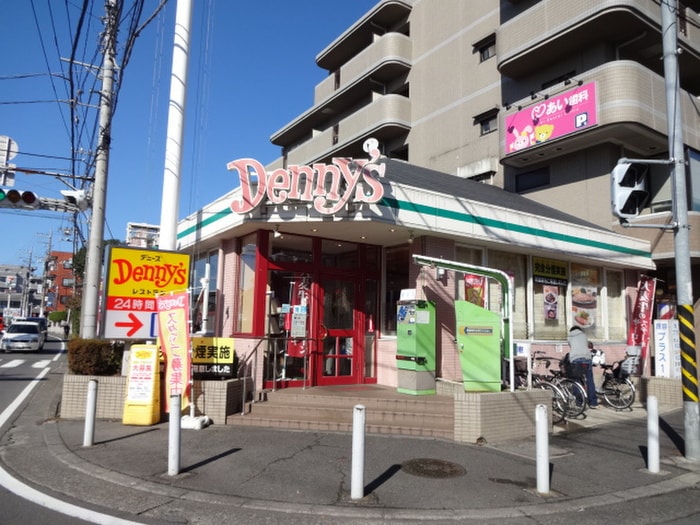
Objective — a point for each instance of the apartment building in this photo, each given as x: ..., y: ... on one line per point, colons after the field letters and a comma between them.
x: 498, y: 124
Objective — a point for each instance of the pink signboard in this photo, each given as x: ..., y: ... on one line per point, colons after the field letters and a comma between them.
x: 572, y: 111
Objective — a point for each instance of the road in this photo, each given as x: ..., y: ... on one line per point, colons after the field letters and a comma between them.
x: 20, y: 373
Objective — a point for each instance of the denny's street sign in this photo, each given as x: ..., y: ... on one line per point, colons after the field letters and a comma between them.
x: 328, y: 187
x: 134, y: 278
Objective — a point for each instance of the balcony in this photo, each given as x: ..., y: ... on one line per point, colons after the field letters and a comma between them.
x: 387, y: 58
x: 386, y: 118
x: 631, y: 112
x: 553, y: 31
x: 386, y: 16
x: 386, y: 61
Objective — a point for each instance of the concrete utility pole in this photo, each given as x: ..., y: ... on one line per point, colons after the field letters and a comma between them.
x: 176, y: 127
x: 93, y: 263
x: 684, y: 283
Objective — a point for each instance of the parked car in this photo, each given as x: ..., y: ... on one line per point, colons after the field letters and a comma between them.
x: 23, y: 336
x: 43, y: 323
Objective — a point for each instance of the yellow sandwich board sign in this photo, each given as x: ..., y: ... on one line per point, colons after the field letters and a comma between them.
x: 142, y: 403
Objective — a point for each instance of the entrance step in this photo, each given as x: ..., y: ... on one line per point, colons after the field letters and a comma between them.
x: 331, y: 409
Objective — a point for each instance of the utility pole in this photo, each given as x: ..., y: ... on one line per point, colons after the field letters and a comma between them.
x: 684, y: 284
x: 93, y: 263
x: 176, y: 127
x: 44, y: 276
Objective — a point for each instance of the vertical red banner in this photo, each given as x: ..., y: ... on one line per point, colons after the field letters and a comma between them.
x: 174, y: 338
x: 639, y: 332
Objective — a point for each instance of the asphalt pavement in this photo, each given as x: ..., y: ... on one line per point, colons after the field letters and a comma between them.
x: 232, y: 474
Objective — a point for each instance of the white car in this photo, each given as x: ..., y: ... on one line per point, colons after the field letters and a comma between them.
x: 23, y: 336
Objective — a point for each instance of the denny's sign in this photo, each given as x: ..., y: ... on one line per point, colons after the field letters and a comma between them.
x: 328, y: 187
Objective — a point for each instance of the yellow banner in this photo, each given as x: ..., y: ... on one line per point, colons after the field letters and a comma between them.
x: 174, y: 337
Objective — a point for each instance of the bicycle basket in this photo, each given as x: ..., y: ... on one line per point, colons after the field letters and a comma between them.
x: 629, y: 366
x: 598, y: 357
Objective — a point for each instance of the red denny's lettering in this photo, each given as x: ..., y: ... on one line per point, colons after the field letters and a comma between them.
x: 161, y: 275
x: 328, y: 186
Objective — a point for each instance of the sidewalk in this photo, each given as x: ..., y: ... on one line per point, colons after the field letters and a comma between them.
x: 231, y: 475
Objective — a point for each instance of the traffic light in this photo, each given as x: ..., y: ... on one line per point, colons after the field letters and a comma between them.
x: 77, y: 198
x: 628, y: 189
x: 18, y: 199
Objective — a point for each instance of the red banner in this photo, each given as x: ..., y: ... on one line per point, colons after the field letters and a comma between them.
x: 174, y: 338
x: 639, y: 332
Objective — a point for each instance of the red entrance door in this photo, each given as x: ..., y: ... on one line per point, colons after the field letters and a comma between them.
x: 339, y: 356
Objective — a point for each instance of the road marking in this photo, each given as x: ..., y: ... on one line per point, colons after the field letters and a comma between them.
x: 24, y: 491
x: 12, y: 364
x: 42, y: 364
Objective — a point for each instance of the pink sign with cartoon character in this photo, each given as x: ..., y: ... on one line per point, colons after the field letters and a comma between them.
x: 552, y: 118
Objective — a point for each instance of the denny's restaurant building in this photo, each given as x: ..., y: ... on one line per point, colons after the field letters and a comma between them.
x: 307, y: 265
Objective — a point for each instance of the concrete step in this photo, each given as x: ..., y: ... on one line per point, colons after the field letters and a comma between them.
x: 331, y: 409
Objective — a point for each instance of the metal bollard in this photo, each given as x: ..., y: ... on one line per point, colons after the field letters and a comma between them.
x: 542, y: 446
x: 653, y: 434
x: 357, y: 483
x: 90, y: 413
x: 174, y: 435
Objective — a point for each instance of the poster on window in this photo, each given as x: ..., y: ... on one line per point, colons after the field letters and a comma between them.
x: 475, y: 289
x: 584, y: 296
x: 551, y: 302
x: 296, y: 321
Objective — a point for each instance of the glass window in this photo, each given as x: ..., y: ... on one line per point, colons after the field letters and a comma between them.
x: 464, y: 282
x: 246, y: 285
x: 515, y: 266
x: 585, y: 297
x: 396, y: 279
x: 486, y: 47
x: 285, y: 247
x: 694, y: 187
x: 199, y: 272
x: 339, y: 254
x: 615, y: 302
x: 550, y: 318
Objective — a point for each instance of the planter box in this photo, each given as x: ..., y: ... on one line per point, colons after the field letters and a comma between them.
x: 217, y: 399
x: 497, y: 417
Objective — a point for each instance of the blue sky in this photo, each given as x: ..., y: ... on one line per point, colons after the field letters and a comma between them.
x: 251, y: 71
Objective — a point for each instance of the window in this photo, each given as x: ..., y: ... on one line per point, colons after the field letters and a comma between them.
x: 515, y: 266
x: 68, y: 264
x: 486, y: 47
x: 396, y: 279
x: 487, y: 121
x: 67, y: 282
x: 615, y: 303
x: 198, y: 293
x: 531, y: 180
x: 246, y: 285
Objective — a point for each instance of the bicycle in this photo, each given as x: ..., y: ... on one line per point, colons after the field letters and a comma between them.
x: 560, y: 399
x: 617, y: 389
x: 576, y: 399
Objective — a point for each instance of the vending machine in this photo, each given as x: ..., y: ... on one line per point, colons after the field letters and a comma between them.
x: 415, y: 348
x: 479, y: 346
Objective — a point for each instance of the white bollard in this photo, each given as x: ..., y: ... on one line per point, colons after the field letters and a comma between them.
x: 90, y: 412
x: 542, y: 445
x: 174, y: 435
x: 357, y: 482
x: 653, y: 434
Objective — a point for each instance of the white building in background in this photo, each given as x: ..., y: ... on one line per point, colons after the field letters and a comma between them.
x: 141, y: 235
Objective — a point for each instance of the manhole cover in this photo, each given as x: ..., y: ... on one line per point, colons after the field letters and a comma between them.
x: 433, y: 468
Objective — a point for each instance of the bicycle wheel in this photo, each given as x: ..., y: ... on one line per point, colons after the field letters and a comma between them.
x: 575, y: 397
x: 558, y: 401
x: 618, y: 393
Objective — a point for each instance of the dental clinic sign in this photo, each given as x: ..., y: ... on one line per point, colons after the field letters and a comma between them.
x: 328, y: 187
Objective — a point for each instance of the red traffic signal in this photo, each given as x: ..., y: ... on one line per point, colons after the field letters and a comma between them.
x: 18, y: 199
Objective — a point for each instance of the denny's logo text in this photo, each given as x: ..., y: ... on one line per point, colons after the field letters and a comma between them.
x: 327, y: 186
x: 146, y: 273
